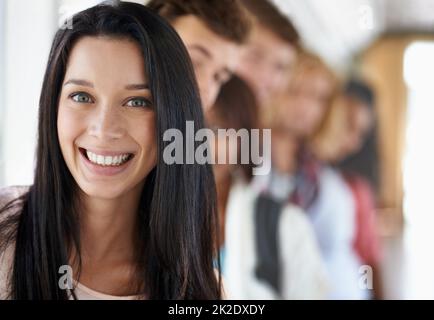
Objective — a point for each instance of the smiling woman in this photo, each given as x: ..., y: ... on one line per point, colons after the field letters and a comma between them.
x: 106, y: 119
x: 103, y: 202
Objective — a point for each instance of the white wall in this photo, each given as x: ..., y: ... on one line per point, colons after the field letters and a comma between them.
x: 29, y: 30
x: 335, y: 29
x: 29, y: 27
x: 2, y: 72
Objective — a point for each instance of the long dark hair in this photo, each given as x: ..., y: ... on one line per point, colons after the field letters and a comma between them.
x: 177, y: 208
x: 236, y: 107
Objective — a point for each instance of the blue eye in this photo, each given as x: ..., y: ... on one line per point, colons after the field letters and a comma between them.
x: 81, y: 97
x: 138, y: 102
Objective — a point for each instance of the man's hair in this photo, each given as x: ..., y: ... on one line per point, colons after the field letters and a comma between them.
x: 269, y: 16
x: 361, y: 91
x: 227, y: 18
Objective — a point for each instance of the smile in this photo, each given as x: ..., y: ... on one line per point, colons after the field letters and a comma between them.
x: 108, y: 159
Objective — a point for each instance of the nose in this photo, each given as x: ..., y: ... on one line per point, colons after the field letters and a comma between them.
x: 212, y: 93
x: 208, y: 94
x: 106, y: 123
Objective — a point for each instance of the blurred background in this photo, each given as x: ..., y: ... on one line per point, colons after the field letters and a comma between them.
x: 389, y: 42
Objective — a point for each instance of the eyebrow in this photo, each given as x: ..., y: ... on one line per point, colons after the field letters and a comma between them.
x: 201, y: 49
x: 140, y: 86
x: 208, y: 54
x: 80, y: 82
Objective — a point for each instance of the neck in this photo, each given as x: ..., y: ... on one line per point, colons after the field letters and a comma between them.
x: 284, y: 149
x: 108, y: 227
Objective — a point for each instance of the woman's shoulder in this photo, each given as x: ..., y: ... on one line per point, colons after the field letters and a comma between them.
x: 7, y: 207
x: 8, y: 194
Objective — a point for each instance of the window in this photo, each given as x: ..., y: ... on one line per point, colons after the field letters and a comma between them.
x: 419, y: 170
x: 419, y: 154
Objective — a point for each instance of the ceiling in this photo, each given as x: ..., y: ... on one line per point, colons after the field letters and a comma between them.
x: 338, y: 29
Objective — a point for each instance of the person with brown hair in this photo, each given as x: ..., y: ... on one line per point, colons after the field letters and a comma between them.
x: 213, y: 32
x: 235, y: 108
x: 317, y: 188
x: 270, y: 52
x: 302, y: 107
x: 346, y: 133
x: 258, y: 262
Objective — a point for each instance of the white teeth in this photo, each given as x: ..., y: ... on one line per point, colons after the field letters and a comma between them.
x: 100, y: 159
x: 107, y: 160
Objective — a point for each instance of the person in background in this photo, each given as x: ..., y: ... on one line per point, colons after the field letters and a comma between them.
x: 363, y: 155
x: 317, y: 188
x: 265, y: 64
x: 270, y: 52
x: 213, y: 32
x: 270, y: 251
x: 235, y: 108
x: 344, y: 134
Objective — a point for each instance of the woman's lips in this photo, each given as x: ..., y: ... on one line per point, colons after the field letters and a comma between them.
x: 105, y: 163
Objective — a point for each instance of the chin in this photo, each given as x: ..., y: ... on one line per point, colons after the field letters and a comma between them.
x: 104, y: 191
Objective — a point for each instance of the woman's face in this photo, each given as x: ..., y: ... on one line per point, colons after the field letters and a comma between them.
x: 303, y: 107
x: 266, y: 62
x: 359, y: 125
x: 214, y: 57
x: 106, y: 121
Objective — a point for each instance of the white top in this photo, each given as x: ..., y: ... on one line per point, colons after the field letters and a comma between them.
x: 84, y: 293
x: 303, y: 275
x: 333, y: 219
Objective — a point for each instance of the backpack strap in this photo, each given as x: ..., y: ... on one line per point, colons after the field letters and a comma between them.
x: 267, y: 214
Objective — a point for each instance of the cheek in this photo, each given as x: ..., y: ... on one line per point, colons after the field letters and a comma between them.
x: 145, y: 134
x: 319, y: 112
x: 280, y: 82
x: 200, y: 74
x: 69, y: 127
x: 313, y: 112
x: 249, y: 72
x: 206, y: 85
x: 297, y: 107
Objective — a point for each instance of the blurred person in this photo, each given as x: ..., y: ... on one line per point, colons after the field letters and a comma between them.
x: 269, y: 249
x: 270, y: 52
x: 106, y: 217
x: 235, y: 108
x: 317, y: 188
x: 299, y: 112
x: 213, y: 32
x: 362, y: 156
x: 344, y: 133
